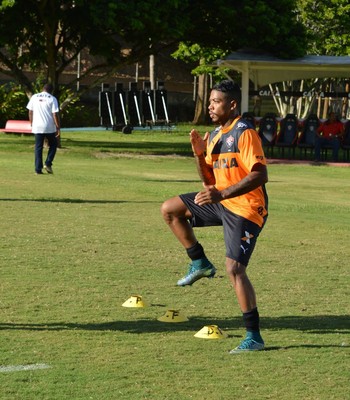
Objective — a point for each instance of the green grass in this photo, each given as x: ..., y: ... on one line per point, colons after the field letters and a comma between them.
x: 75, y: 245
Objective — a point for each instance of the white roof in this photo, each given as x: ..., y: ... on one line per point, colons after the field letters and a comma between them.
x: 263, y: 69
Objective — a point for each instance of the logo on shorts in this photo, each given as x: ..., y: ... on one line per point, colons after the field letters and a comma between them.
x: 247, y: 237
x: 244, y: 249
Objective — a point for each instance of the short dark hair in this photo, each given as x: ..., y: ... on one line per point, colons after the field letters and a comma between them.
x: 48, y: 88
x: 231, y: 89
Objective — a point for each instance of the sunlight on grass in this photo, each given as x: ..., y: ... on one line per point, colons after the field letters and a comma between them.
x: 75, y: 245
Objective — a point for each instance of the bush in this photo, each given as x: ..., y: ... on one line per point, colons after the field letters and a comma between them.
x: 14, y: 100
x: 80, y: 114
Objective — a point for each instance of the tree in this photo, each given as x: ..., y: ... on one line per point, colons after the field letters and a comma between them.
x: 268, y: 26
x: 46, y: 36
x: 327, y: 25
x: 207, y: 57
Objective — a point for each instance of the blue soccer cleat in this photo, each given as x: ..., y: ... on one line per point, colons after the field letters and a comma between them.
x: 248, y: 344
x: 198, y: 269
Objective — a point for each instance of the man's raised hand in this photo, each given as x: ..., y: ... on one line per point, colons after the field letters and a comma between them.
x: 199, y: 145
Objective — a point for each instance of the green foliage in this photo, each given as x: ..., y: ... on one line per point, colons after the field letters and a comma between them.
x: 270, y: 26
x: 6, y: 3
x: 327, y: 24
x: 206, y: 57
x: 48, y: 36
x: 13, y: 103
x: 72, y: 108
x: 248, y: 24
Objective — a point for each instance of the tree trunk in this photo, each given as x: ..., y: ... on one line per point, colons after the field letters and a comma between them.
x: 200, y: 114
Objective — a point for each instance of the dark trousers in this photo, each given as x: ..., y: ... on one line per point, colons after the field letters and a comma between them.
x: 39, y: 145
x: 332, y: 142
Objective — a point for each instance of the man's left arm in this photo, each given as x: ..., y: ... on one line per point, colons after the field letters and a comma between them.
x: 257, y: 177
x: 30, y: 116
x: 56, y: 118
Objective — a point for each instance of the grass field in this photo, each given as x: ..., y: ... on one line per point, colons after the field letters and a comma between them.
x: 75, y: 245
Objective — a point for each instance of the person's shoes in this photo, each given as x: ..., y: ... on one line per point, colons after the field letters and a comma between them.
x: 248, y: 344
x: 38, y: 172
x: 198, y: 269
x: 48, y: 169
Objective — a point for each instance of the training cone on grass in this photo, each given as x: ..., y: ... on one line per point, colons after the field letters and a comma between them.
x: 134, y: 301
x: 210, y: 332
x: 173, y: 316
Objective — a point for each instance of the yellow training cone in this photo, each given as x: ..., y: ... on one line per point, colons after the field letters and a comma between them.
x: 210, y: 332
x: 134, y: 301
x: 173, y: 316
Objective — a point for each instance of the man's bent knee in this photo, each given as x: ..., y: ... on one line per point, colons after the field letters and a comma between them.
x: 174, y: 208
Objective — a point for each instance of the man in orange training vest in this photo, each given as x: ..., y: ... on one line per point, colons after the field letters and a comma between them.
x: 232, y: 166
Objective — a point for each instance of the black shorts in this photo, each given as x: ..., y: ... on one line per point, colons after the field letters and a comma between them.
x: 240, y: 234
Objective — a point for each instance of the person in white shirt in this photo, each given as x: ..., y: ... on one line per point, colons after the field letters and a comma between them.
x: 44, y: 118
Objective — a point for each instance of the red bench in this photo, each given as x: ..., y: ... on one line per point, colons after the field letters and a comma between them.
x: 17, y: 126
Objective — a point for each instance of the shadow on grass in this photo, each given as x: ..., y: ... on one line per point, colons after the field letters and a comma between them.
x: 195, y: 181
x: 321, y: 324
x: 78, y: 201
x: 142, y: 147
x: 136, y: 146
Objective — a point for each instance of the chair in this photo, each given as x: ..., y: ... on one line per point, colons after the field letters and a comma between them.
x: 268, y: 131
x: 306, y: 140
x: 288, y: 134
x: 325, y: 147
x: 345, y: 142
x: 248, y: 116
